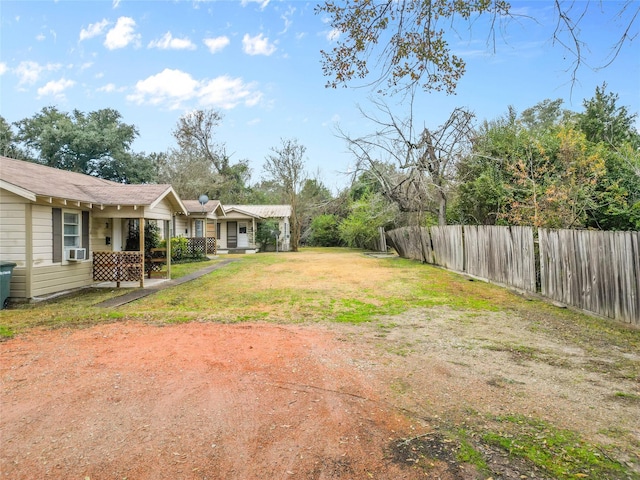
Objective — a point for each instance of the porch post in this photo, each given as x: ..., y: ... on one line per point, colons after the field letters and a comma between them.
x: 168, y: 236
x: 142, y: 251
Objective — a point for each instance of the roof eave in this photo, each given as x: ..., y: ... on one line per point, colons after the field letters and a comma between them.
x: 15, y: 189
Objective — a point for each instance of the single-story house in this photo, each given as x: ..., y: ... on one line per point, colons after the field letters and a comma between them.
x: 201, y: 222
x: 55, y: 225
x: 237, y: 230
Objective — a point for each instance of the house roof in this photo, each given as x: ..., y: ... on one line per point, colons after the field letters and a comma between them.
x: 195, y: 207
x: 31, y: 180
x: 261, y: 211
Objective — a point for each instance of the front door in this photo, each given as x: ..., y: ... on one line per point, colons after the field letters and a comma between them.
x: 243, y: 237
x: 232, y: 234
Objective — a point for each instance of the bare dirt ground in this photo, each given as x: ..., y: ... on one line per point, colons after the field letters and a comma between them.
x: 131, y: 400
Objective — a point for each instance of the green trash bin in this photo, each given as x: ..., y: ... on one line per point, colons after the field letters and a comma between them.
x: 6, y: 269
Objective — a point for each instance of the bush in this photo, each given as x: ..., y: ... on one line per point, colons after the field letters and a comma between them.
x: 360, y: 228
x: 179, y: 248
x: 265, y: 233
x: 325, y: 231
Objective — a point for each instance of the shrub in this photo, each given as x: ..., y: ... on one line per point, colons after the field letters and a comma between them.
x: 325, y: 231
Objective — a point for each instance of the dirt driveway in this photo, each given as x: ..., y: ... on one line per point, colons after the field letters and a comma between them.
x: 131, y: 400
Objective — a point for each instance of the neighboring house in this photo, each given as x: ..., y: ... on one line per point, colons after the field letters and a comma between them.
x: 54, y: 222
x: 237, y: 231
x: 201, y: 222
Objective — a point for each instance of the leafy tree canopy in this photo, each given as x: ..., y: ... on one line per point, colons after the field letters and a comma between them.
x: 96, y: 143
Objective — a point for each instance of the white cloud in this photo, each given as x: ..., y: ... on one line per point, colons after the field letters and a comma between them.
x: 29, y: 72
x: 263, y: 3
x: 174, y: 88
x: 254, y: 121
x: 94, y: 29
x: 108, y: 88
x: 122, y: 34
x: 55, y: 88
x: 335, y: 118
x: 216, y: 44
x: 167, y: 42
x: 3, y: 68
x: 333, y: 35
x: 258, y: 45
x: 40, y: 37
x: 286, y: 16
x: 226, y: 92
x: 116, y: 3
x: 170, y: 87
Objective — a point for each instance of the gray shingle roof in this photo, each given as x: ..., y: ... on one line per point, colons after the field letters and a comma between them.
x: 52, y: 182
x: 194, y: 206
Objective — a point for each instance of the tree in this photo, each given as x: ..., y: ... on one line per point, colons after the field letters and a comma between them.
x: 9, y: 146
x: 315, y: 199
x: 287, y: 167
x: 413, y: 167
x: 218, y: 177
x: 95, y: 143
x: 188, y: 172
x: 541, y: 169
x: 606, y: 123
x: 405, y: 42
x: 325, y: 231
x: 367, y: 215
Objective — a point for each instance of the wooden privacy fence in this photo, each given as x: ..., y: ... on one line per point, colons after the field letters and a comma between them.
x: 501, y: 254
x: 592, y: 270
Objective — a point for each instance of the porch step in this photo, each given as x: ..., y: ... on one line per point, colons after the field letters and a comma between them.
x: 237, y: 251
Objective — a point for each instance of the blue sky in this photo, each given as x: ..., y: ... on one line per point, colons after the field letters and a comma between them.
x: 258, y: 63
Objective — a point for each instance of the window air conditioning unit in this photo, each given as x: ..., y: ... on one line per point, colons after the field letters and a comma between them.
x: 77, y: 254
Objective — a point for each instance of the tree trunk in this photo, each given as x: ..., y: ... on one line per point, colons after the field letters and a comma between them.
x: 442, y: 209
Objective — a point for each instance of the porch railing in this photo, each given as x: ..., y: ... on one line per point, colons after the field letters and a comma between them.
x: 117, y: 267
x: 202, y: 246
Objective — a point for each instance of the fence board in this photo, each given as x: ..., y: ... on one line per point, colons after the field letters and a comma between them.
x: 501, y: 254
x: 412, y: 242
x: 592, y: 270
x: 595, y: 271
x: 448, y: 250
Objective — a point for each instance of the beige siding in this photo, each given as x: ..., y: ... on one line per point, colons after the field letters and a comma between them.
x: 114, y: 212
x: 181, y: 226
x: 18, y: 288
x: 235, y: 216
x: 12, y: 228
x: 58, y: 278
x: 98, y: 234
x: 222, y: 243
x: 42, y: 235
x: 162, y: 211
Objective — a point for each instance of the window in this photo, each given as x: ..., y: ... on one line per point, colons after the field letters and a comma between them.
x: 71, y: 230
x: 218, y: 228
x: 199, y: 228
x: 243, y: 228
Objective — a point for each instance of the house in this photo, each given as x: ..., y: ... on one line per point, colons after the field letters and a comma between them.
x: 200, y: 224
x: 67, y: 230
x: 237, y: 230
